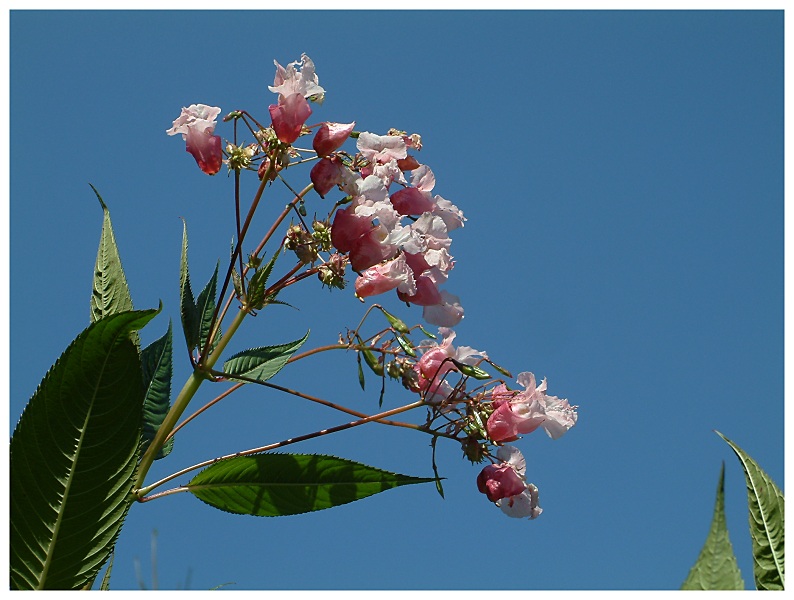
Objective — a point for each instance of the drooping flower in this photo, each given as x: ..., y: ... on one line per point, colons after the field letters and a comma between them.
x: 435, y: 360
x: 521, y: 412
x: 330, y: 136
x: 327, y: 173
x: 446, y: 314
x: 197, y: 123
x: 288, y: 117
x: 506, y: 485
x: 384, y: 277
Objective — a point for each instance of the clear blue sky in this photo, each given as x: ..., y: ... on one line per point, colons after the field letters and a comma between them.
x: 622, y: 176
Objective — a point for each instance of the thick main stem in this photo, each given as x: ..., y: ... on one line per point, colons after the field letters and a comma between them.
x: 183, y: 399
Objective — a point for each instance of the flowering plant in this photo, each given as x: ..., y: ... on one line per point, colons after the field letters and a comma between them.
x: 103, y: 414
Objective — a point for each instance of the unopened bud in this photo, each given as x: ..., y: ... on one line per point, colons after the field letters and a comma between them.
x: 301, y: 242
x: 473, y: 449
x: 332, y: 273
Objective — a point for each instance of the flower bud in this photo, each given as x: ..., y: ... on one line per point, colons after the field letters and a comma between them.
x: 332, y: 273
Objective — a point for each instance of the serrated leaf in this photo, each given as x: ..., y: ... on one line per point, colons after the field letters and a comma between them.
x: 205, y: 306
x: 187, y: 303
x: 256, y: 287
x: 157, y: 365
x: 110, y: 294
x: 73, y: 456
x: 270, y: 485
x: 716, y: 567
x: 261, y: 363
x: 105, y: 585
x: 767, y: 514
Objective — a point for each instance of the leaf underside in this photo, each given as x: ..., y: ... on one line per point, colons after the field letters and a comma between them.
x: 270, y: 485
x: 767, y: 519
x: 73, y: 456
x: 716, y: 567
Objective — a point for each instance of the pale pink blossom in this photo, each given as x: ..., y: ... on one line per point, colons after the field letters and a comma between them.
x: 290, y: 80
x: 521, y: 412
x: 384, y: 277
x: 446, y: 314
x: 381, y: 149
x: 197, y: 123
x: 506, y: 485
x: 331, y: 136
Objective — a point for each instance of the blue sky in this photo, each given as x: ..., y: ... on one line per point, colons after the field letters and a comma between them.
x: 622, y: 176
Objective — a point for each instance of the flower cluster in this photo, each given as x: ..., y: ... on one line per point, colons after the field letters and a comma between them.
x: 394, y: 232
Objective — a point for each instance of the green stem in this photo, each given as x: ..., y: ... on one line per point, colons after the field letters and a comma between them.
x: 182, y: 400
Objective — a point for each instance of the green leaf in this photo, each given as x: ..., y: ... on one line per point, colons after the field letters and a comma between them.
x: 110, y: 294
x: 716, y: 567
x: 73, y: 456
x: 187, y: 304
x: 205, y: 308
x: 261, y: 363
x: 256, y: 288
x: 157, y: 365
x: 105, y: 585
x: 271, y: 485
x: 766, y: 506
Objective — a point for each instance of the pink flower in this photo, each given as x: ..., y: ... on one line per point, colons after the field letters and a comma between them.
x: 288, y: 116
x: 292, y: 81
x: 506, y: 485
x: 327, y: 173
x: 367, y: 244
x: 446, y: 314
x: 330, y: 136
x: 384, y: 277
x: 521, y: 412
x: 416, y: 199
x: 196, y: 123
x: 381, y: 149
x: 435, y: 362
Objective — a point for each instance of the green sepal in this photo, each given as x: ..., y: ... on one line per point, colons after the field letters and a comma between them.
x: 271, y: 485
